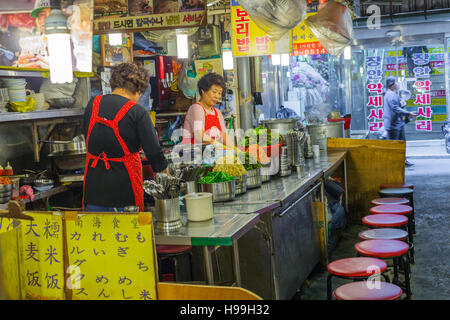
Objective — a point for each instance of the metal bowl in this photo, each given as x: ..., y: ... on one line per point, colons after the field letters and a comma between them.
x: 254, y: 179
x: 241, y: 184
x: 43, y: 182
x: 5, y: 187
x: 5, y: 198
x: 221, y: 191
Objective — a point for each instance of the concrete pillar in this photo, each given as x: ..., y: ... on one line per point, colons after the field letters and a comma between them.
x: 245, y: 93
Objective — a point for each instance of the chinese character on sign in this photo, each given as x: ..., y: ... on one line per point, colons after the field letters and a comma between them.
x: 116, y: 223
x: 52, y: 283
x: 423, y: 125
x: 32, y: 250
x: 51, y: 253
x: 31, y: 225
x: 33, y: 279
x: 375, y: 101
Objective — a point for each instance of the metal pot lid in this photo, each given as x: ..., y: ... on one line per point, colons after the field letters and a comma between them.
x: 67, y: 153
x: 330, y: 124
x: 289, y: 120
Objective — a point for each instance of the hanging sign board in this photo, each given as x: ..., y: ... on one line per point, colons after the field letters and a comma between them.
x: 149, y: 22
x: 250, y: 40
x: 304, y: 41
x: 111, y: 257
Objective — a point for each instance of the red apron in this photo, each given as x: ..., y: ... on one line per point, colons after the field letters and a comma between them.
x: 132, y: 161
x: 210, y: 122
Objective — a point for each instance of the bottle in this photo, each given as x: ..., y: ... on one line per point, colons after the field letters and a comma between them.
x: 2, y: 171
x: 8, y: 170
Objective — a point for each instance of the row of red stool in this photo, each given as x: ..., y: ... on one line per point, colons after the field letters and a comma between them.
x: 384, y: 242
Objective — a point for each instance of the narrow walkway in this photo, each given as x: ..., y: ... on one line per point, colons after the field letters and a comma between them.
x: 430, y: 279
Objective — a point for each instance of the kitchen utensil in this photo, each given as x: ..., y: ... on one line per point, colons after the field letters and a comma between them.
x: 199, y: 206
x: 221, y: 191
x: 254, y: 179
x: 320, y: 132
x: 167, y: 215
x: 241, y: 184
x: 282, y: 125
x: 5, y: 187
x: 76, y: 145
x: 43, y: 182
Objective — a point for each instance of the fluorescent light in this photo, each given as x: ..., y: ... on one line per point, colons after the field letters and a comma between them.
x: 285, y: 59
x: 60, y: 57
x: 182, y: 46
x: 227, y: 56
x: 276, y: 59
x: 348, y: 53
x: 115, y: 39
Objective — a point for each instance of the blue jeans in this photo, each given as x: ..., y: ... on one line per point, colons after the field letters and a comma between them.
x: 93, y: 208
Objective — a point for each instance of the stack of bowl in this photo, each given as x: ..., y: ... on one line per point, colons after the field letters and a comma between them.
x: 16, y: 89
x: 285, y: 163
x: 5, y: 193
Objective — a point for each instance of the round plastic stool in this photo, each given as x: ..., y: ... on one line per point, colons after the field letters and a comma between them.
x: 385, y: 220
x: 397, y: 185
x: 382, y: 201
x: 172, y: 252
x: 401, y: 193
x: 361, y: 290
x: 383, y: 234
x: 391, y: 209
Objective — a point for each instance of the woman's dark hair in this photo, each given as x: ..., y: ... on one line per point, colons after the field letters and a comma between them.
x: 208, y: 80
x: 131, y: 77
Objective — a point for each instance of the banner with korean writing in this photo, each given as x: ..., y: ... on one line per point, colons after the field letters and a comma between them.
x: 250, y: 40
x: 111, y: 257
x: 304, y: 41
x: 375, y: 89
x: 153, y: 21
x: 43, y: 269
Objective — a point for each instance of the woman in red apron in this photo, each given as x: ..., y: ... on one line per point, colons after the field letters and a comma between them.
x: 204, y: 123
x: 116, y: 129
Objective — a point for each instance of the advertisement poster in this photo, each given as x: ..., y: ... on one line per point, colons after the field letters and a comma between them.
x: 250, y: 40
x: 23, y: 43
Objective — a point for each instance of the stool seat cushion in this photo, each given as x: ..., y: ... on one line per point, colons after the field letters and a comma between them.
x: 167, y: 249
x: 356, y: 267
x: 396, y: 185
x: 391, y: 209
x: 396, y: 192
x: 382, y: 248
x: 381, y: 201
x: 361, y: 290
x: 385, y: 220
x: 383, y: 233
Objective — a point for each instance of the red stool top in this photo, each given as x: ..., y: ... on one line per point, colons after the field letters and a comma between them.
x: 385, y: 220
x: 391, y: 209
x: 168, y: 249
x: 356, y: 267
x: 382, y: 248
x: 396, y: 185
x: 381, y: 201
x: 396, y: 192
x: 383, y: 234
x: 361, y: 290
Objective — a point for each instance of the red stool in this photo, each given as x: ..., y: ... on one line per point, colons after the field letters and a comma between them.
x: 172, y: 253
x: 381, y: 201
x: 396, y: 185
x: 361, y: 290
x: 383, y: 234
x: 359, y: 268
x: 401, y: 193
x: 386, y: 249
x: 401, y: 210
x: 385, y: 220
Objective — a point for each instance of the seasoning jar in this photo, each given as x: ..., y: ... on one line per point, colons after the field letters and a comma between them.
x: 8, y: 171
x: 2, y: 171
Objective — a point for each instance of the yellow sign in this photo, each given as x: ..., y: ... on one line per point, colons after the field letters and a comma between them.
x: 205, y: 66
x: 43, y: 269
x: 153, y: 21
x: 10, y: 277
x: 250, y: 40
x: 111, y: 258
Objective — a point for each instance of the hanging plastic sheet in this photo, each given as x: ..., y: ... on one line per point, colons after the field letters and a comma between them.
x: 332, y: 26
x: 275, y: 17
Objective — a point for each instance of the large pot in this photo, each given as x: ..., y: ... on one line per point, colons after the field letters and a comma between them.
x: 241, y: 184
x: 282, y: 125
x: 69, y: 160
x: 76, y: 145
x: 320, y: 132
x: 254, y: 179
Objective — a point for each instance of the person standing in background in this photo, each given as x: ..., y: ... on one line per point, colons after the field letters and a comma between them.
x: 394, y: 113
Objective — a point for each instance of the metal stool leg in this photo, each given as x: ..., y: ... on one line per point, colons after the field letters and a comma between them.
x: 329, y: 286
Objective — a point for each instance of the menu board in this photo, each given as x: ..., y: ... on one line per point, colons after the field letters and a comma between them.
x: 9, y: 259
x: 23, y: 44
x: 250, y: 40
x: 111, y: 257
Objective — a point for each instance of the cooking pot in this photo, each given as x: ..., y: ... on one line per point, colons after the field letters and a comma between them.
x: 320, y: 132
x: 70, y: 161
x: 76, y: 145
x: 282, y: 125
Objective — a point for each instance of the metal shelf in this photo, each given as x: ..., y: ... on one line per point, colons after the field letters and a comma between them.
x: 18, y: 73
x: 40, y: 115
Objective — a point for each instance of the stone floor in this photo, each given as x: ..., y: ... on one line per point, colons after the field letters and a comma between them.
x: 430, y: 278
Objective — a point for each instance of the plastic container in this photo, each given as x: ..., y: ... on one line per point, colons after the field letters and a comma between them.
x: 199, y: 206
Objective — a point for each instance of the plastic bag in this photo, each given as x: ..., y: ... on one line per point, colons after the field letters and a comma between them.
x: 332, y: 26
x: 25, y: 106
x: 187, y: 81
x: 275, y: 17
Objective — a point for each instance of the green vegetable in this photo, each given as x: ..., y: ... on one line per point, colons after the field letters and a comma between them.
x: 215, y: 177
x: 256, y: 136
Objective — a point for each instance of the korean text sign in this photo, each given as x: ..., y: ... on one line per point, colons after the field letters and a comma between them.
x: 250, y: 40
x: 374, y: 86
x: 304, y: 41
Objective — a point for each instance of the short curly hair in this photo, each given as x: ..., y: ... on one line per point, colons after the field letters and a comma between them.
x: 131, y: 77
x: 208, y: 80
